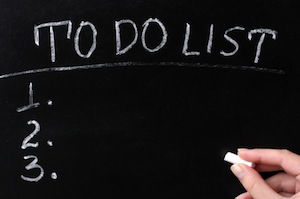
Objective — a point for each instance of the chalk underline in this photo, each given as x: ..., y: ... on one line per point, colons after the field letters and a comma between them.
x: 133, y: 64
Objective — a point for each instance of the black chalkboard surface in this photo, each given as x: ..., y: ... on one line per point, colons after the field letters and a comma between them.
x: 141, y: 99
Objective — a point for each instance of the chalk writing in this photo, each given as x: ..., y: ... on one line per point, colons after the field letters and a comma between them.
x: 210, y: 39
x: 186, y: 42
x: 118, y: 36
x: 261, y: 40
x: 146, y: 25
x: 54, y: 176
x: 50, y: 102
x: 76, y: 39
x: 50, y: 143
x: 52, y: 38
x: 144, y: 64
x: 236, y: 45
x: 31, y: 104
x: 33, y: 165
x: 164, y: 37
x: 26, y: 142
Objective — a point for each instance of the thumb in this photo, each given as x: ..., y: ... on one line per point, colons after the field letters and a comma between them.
x: 253, y: 182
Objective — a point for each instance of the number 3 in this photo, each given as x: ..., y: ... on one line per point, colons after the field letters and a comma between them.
x: 33, y: 165
x: 26, y: 142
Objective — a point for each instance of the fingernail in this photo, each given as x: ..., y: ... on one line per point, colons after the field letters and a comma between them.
x: 242, y: 149
x: 238, y: 171
x: 243, y: 196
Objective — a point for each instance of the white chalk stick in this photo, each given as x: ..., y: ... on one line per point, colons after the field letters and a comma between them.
x: 235, y: 159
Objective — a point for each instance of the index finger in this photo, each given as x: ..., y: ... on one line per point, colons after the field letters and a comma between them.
x: 288, y: 161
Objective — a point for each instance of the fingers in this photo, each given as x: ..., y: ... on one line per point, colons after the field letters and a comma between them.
x: 244, y: 196
x: 253, y: 182
x: 283, y: 159
x: 267, y: 168
x: 287, y: 195
x: 283, y: 183
x: 248, y: 196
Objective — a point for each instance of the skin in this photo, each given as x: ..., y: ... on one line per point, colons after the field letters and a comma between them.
x: 285, y: 185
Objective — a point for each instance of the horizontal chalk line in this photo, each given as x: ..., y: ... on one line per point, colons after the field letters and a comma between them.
x: 128, y: 64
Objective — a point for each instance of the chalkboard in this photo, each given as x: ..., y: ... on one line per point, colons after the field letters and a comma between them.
x: 142, y: 99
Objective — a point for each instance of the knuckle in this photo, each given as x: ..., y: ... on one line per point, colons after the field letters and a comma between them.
x: 275, y: 177
x: 253, y: 186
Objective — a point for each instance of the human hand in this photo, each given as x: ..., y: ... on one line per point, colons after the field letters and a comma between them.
x: 285, y: 185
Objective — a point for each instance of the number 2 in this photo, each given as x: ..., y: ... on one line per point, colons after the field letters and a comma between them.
x: 26, y: 142
x: 33, y: 165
